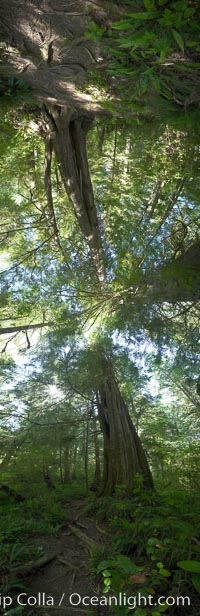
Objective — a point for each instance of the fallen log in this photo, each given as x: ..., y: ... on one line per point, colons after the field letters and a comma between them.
x: 12, y: 493
x: 30, y: 566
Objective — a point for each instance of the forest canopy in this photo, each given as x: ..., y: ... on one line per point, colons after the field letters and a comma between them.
x: 100, y: 282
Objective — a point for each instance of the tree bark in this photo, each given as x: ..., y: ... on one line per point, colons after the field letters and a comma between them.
x: 124, y: 456
x: 86, y: 448
x: 177, y: 280
x: 74, y: 475
x: 9, y: 454
x: 97, y: 473
x: 66, y: 477
x: 22, y: 328
x: 69, y: 141
x: 60, y: 463
x: 47, y: 477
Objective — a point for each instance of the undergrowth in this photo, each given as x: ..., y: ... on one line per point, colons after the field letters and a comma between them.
x: 155, y: 548
x: 20, y: 523
x: 153, y: 50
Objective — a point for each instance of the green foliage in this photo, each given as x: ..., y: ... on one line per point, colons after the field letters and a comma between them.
x: 115, y: 572
x: 149, y: 535
x: 20, y: 524
x: 145, y: 177
x: 14, y: 93
x: 192, y: 566
x: 157, y: 48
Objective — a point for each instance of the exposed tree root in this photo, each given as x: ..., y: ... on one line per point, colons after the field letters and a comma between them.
x: 27, y: 568
x: 71, y: 568
x: 101, y: 530
x: 69, y: 563
x: 81, y: 525
x: 90, y: 543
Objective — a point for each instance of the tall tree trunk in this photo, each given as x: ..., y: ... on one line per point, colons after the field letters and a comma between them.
x: 7, y: 457
x: 74, y: 476
x: 69, y: 140
x: 60, y: 463
x: 124, y: 456
x: 47, y: 477
x: 86, y: 451
x: 97, y: 472
x: 22, y: 25
x: 66, y: 477
x: 123, y: 452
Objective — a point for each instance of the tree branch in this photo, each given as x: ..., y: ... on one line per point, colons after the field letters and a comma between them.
x: 23, y: 328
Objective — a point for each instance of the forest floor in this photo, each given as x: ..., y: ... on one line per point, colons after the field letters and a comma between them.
x: 69, y: 572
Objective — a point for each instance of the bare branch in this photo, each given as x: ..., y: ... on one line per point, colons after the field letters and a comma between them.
x: 23, y: 328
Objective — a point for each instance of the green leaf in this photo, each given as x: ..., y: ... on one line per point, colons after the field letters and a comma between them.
x: 191, y: 44
x: 178, y: 39
x: 163, y: 55
x: 144, y: 16
x: 164, y: 572
x: 16, y: 611
x: 126, y: 565
x: 149, y: 5
x: 180, y: 5
x: 104, y: 565
x: 196, y: 582
x: 192, y: 566
x: 107, y: 581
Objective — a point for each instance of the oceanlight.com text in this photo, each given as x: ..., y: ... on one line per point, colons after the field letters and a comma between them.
x: 131, y: 601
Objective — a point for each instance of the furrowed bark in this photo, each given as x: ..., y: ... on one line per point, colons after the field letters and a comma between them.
x: 69, y: 141
x: 124, y: 456
x: 123, y: 453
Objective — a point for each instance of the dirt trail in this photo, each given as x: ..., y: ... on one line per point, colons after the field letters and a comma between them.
x: 61, y: 579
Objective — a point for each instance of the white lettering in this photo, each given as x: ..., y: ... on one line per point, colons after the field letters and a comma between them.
x: 6, y: 601
x: 181, y: 600
x: 20, y: 600
x: 71, y: 598
x: 103, y: 601
x: 32, y: 601
x: 131, y: 601
x: 161, y: 601
x: 50, y: 600
x: 143, y: 599
x: 170, y: 601
x: 94, y: 600
x: 111, y: 599
x: 85, y: 602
